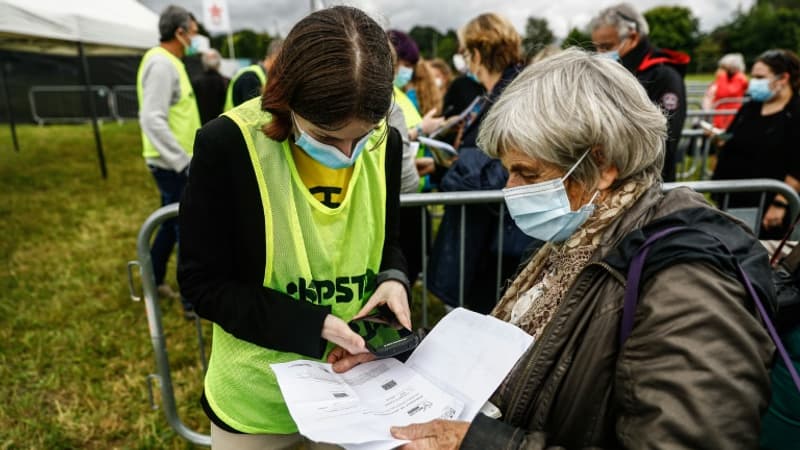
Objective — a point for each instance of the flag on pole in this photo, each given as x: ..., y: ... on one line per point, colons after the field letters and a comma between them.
x: 216, y: 18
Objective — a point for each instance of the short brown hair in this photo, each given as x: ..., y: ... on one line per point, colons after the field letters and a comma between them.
x: 495, y: 39
x: 335, y: 66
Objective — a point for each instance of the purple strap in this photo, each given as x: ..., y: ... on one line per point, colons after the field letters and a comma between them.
x: 632, y: 296
x: 634, y: 279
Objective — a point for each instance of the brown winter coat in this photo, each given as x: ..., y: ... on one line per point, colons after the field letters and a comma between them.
x: 694, y: 372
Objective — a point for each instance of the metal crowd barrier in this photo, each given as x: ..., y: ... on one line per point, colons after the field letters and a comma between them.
x: 696, y: 90
x: 699, y: 145
x: 728, y: 100
x: 151, y: 300
x: 698, y: 148
x: 126, y: 102
x: 101, y: 95
x: 119, y: 103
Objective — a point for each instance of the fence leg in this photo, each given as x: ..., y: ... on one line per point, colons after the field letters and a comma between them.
x: 462, y: 238
x: 500, y: 251
x: 424, y: 268
x: 201, y: 344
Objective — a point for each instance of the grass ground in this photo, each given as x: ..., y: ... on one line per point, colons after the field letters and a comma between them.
x: 700, y: 77
x: 74, y: 349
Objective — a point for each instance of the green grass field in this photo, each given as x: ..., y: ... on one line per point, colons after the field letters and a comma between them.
x: 74, y: 349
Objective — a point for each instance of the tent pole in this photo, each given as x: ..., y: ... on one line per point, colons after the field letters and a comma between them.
x: 230, y: 46
x: 11, y: 122
x: 92, y: 109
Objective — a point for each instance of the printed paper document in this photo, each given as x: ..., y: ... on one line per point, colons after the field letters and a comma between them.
x: 450, y: 375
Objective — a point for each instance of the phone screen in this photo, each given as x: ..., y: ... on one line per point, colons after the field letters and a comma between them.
x: 385, y: 337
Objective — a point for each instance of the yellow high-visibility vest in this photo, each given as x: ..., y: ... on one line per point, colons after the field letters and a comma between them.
x: 256, y: 69
x: 184, y: 117
x: 314, y: 253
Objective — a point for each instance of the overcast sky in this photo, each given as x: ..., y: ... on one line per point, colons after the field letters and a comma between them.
x: 280, y: 15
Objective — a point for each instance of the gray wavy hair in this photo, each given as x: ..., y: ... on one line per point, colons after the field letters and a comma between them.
x: 563, y: 105
x: 624, y: 17
x: 733, y: 61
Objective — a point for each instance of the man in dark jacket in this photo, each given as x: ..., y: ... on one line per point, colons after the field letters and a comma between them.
x: 620, y: 32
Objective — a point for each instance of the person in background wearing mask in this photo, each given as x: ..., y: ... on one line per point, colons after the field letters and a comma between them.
x: 692, y: 369
x: 405, y: 54
x: 620, y: 33
x: 248, y: 82
x: 764, y: 136
x: 210, y: 86
x: 289, y: 222
x: 169, y: 119
x: 730, y: 82
x: 442, y: 74
x: 491, y: 47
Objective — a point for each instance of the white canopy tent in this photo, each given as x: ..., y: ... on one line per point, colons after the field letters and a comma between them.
x: 111, y: 26
x: 64, y: 26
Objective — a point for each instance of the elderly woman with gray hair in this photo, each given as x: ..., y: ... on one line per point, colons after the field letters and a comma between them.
x: 730, y: 83
x: 584, y: 147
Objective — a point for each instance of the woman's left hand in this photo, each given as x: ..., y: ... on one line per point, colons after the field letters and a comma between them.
x: 436, y: 434
x: 393, y: 294
x: 774, y: 217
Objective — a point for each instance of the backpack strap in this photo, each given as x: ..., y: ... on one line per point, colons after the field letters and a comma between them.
x: 634, y: 280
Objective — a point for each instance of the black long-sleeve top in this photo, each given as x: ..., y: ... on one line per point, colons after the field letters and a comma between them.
x: 222, y: 241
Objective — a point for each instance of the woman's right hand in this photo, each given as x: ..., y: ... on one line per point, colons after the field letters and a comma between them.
x: 337, y: 331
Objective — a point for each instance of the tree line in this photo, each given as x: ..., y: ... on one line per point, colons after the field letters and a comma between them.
x: 766, y: 24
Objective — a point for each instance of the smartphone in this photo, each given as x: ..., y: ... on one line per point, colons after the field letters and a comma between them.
x: 384, y: 335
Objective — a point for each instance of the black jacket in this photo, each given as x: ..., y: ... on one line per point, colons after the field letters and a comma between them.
x: 661, y: 72
x: 209, y: 89
x: 470, y: 138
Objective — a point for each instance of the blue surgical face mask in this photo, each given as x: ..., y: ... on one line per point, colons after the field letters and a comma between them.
x: 194, y: 45
x: 759, y: 90
x: 612, y: 55
x: 404, y: 75
x: 189, y: 48
x: 542, y: 210
x: 329, y: 155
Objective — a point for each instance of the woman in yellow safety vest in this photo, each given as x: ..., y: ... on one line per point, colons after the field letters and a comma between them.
x: 288, y: 222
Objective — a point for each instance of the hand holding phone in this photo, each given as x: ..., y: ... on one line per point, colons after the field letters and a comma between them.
x: 383, y: 333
